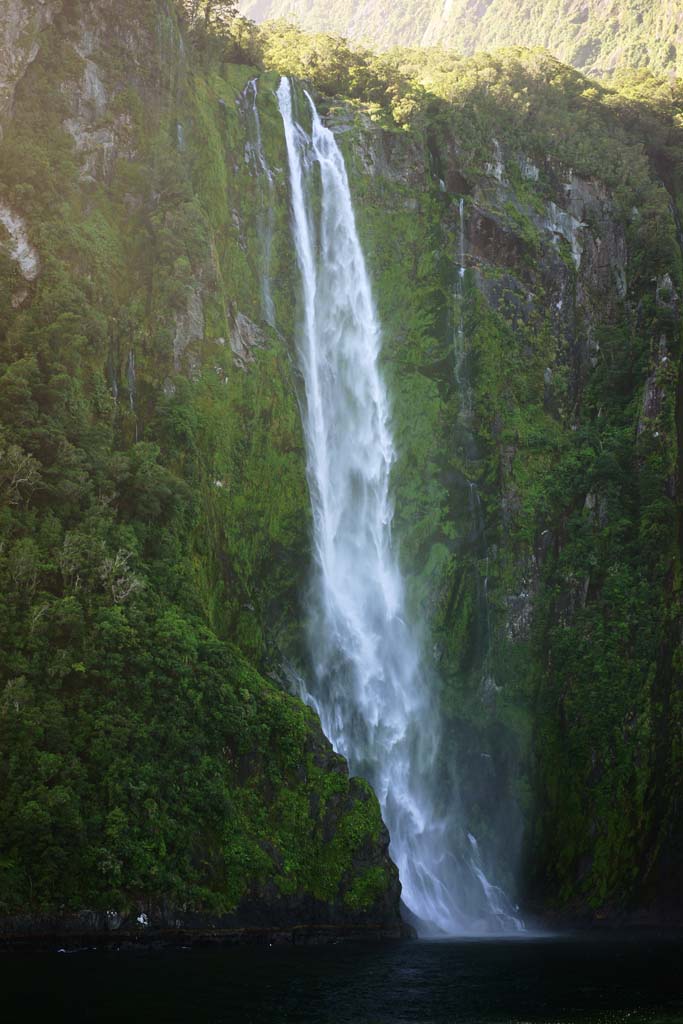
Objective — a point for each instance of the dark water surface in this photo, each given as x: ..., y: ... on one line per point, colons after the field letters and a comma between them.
x: 630, y: 979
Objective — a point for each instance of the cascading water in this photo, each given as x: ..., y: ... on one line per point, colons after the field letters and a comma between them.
x: 255, y: 155
x: 481, y: 549
x: 369, y: 686
x: 465, y: 390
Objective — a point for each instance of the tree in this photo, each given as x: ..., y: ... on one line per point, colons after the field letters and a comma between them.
x: 214, y: 15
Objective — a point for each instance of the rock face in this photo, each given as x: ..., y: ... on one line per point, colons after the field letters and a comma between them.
x: 21, y: 22
x: 510, y: 347
x: 20, y: 249
x: 189, y: 326
x: 245, y: 339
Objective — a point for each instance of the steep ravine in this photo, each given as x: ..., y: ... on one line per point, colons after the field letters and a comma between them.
x: 155, y: 515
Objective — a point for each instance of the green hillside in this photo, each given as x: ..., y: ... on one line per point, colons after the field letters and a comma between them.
x: 596, y: 36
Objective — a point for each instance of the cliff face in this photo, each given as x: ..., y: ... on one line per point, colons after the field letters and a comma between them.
x: 21, y: 23
x: 527, y: 269
x: 533, y: 342
x: 154, y: 509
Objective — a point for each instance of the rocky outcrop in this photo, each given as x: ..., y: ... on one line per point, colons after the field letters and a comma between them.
x: 21, y: 22
x: 189, y: 326
x: 384, y: 155
x: 245, y: 339
x: 20, y: 250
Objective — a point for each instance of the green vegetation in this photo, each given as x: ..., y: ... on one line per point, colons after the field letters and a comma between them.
x: 595, y: 36
x: 153, y: 504
x: 553, y: 590
x: 153, y: 510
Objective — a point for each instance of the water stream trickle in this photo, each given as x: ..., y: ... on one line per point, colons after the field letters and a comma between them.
x: 460, y: 353
x: 466, y: 414
x: 256, y: 156
x: 369, y: 685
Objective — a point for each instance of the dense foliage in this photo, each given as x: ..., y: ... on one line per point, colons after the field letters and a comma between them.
x: 147, y: 489
x: 537, y: 423
x: 153, y: 504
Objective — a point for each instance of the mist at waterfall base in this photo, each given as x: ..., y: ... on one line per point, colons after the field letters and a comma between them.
x: 369, y: 682
x: 629, y: 979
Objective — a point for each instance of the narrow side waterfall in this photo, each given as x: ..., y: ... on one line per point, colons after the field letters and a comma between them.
x: 255, y: 155
x: 369, y: 686
x: 461, y: 376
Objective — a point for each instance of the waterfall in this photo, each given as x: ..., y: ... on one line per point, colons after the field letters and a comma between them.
x: 482, y: 555
x: 461, y: 376
x: 466, y: 414
x: 255, y: 155
x: 369, y: 685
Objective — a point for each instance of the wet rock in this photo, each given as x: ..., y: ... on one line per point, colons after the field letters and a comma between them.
x: 400, y: 159
x: 496, y: 167
x: 189, y: 325
x: 654, y: 393
x: 528, y: 169
x: 518, y: 615
x: 245, y: 339
x: 667, y: 296
x: 561, y: 224
x: 18, y: 244
x: 99, y: 144
x: 492, y: 241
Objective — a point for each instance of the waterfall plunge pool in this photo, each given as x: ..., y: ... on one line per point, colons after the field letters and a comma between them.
x: 633, y: 978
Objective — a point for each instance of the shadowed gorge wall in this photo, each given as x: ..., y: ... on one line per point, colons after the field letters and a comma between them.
x: 522, y: 231
x: 537, y: 495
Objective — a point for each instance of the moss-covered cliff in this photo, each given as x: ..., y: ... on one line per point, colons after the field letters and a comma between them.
x: 154, y: 506
x: 533, y: 340
x: 521, y: 227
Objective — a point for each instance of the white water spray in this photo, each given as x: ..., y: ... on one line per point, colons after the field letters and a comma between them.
x: 369, y: 685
